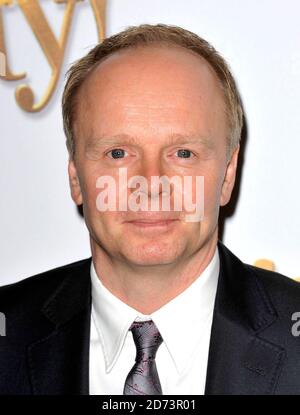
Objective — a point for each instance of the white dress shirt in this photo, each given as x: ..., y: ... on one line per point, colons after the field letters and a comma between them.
x: 184, y: 324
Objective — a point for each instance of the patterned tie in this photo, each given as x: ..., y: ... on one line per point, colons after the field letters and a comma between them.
x: 143, y: 378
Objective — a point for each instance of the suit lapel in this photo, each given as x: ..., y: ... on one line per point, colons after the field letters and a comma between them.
x: 241, y: 359
x: 59, y: 361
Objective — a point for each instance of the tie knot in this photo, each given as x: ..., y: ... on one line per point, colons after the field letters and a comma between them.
x: 147, y: 339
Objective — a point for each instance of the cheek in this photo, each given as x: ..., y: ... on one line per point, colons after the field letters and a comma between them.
x: 89, y: 190
x: 89, y: 193
x: 93, y: 197
x: 91, y: 184
x: 212, y: 193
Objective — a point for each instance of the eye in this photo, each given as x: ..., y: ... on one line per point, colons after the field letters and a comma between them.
x: 184, y: 153
x: 117, y: 153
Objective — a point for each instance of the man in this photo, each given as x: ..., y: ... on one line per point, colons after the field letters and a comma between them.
x: 152, y: 101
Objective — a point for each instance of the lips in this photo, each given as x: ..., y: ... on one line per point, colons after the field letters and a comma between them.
x: 153, y: 222
x: 152, y: 217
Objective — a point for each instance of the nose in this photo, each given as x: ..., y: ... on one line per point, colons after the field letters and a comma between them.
x: 152, y: 171
x: 154, y: 183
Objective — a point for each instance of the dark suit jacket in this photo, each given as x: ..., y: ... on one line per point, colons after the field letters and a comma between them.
x: 252, y: 349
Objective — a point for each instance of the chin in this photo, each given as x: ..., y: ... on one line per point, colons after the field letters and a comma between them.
x: 153, y: 254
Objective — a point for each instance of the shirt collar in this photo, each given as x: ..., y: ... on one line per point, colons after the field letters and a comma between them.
x: 112, y: 318
x: 186, y: 315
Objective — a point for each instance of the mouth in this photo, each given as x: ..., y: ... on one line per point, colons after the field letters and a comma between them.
x: 153, y: 223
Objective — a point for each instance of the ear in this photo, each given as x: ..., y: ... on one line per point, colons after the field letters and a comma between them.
x: 74, y: 183
x: 229, y: 179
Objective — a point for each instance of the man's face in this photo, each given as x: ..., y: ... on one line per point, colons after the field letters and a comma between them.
x: 154, y: 111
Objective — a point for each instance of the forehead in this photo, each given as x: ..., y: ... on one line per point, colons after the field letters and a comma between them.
x: 152, y: 65
x: 150, y: 84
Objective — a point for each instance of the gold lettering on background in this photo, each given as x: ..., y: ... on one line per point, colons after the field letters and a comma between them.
x: 9, y: 76
x: 53, y: 48
x: 2, y: 64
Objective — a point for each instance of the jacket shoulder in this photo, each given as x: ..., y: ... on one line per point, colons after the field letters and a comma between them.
x: 273, y: 281
x: 283, y: 291
x: 36, y: 288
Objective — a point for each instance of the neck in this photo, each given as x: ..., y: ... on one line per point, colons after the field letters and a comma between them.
x: 148, y: 288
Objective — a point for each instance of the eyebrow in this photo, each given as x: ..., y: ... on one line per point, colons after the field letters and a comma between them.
x: 94, y: 142
x: 189, y: 139
x: 114, y: 139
